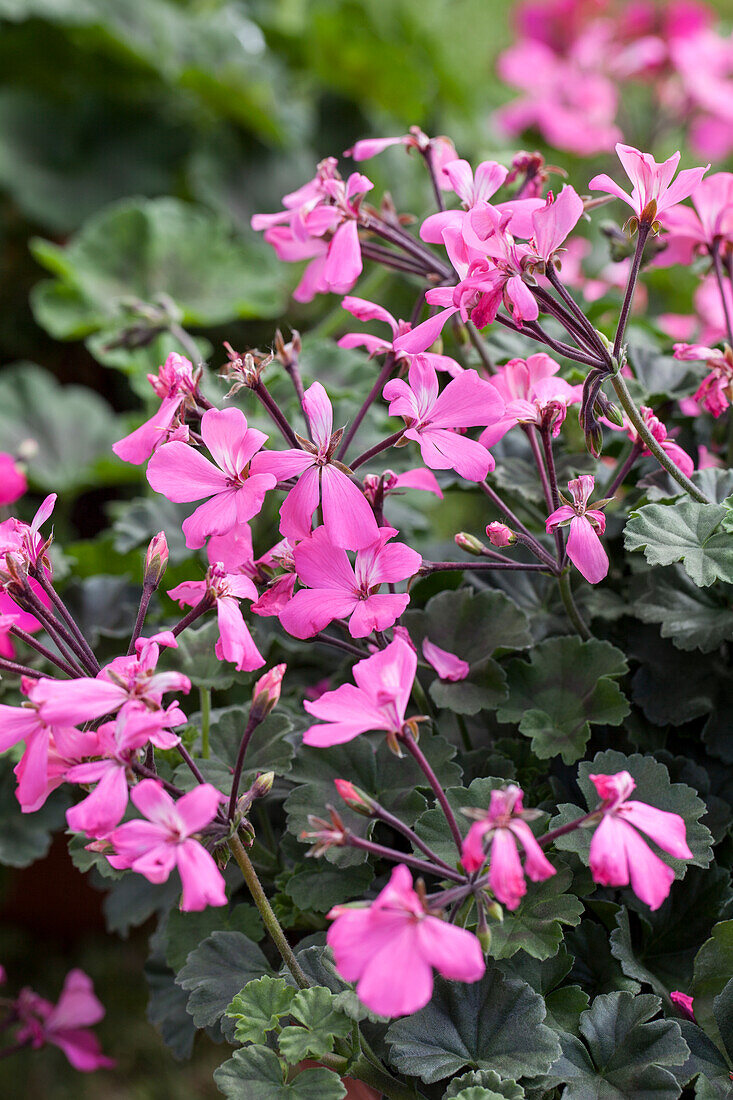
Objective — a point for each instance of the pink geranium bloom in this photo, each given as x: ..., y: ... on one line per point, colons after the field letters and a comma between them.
x: 12, y: 480
x: 653, y: 192
x: 618, y: 854
x: 235, y: 642
x: 377, y: 702
x: 154, y: 847
x: 505, y: 824
x: 500, y: 535
x: 684, y: 1003
x: 236, y: 485
x: 347, y: 515
x: 553, y: 222
x: 176, y: 384
x: 391, y: 947
x: 27, y: 724
x: 65, y: 1024
x: 234, y: 551
x: 475, y: 189
x: 336, y: 589
x: 660, y: 433
x: 710, y: 224
x: 585, y: 549
x: 431, y: 416
x: 376, y: 345
x: 441, y: 150
x: 43, y: 766
x: 446, y: 664
x: 125, y: 681
x: 384, y: 485
x: 533, y: 394
x: 280, y: 590
x: 715, y: 392
x: 118, y: 744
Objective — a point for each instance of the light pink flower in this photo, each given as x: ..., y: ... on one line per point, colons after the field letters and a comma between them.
x: 500, y: 535
x: 65, y: 1024
x: 709, y: 225
x: 618, y: 854
x: 475, y: 189
x: 376, y: 345
x: 390, y: 949
x: 154, y: 847
x: 441, y: 150
x: 12, y: 480
x: 715, y: 392
x: 23, y: 543
x: 176, y: 384
x: 585, y: 549
x: 554, y: 221
x: 653, y: 192
x: 446, y: 664
x: 533, y: 394
x: 377, y: 702
x: 235, y: 643
x: 431, y: 416
x: 336, y: 589
x: 505, y: 823
x: 347, y: 515
x: 236, y: 485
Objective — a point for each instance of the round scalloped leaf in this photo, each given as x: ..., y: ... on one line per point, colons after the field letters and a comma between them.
x: 255, y: 1073
x: 684, y: 531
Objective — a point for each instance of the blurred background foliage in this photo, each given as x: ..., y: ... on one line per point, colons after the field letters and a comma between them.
x: 137, y: 137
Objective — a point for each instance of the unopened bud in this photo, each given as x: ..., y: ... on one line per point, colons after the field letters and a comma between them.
x: 156, y: 560
x: 494, y: 911
x: 470, y: 544
x: 500, y: 535
x: 594, y: 440
x: 484, y: 938
x: 604, y: 407
x: 266, y: 692
x: 356, y: 799
x: 262, y: 785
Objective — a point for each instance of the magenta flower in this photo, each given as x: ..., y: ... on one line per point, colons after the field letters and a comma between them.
x: 234, y: 551
x: 505, y: 824
x: 376, y: 345
x: 34, y: 771
x: 533, y: 394
x: 715, y: 392
x: 235, y: 643
x: 154, y: 847
x: 65, y: 1024
x: 377, y: 702
x: 441, y: 149
x: 431, y: 417
x: 660, y: 433
x: 176, y: 384
x: 236, y: 485
x: 554, y: 221
x: 653, y: 192
x: 475, y: 189
x: 347, y: 515
x: 500, y: 535
x: 585, y: 549
x: 337, y: 590
x: 689, y: 232
x: 391, y: 947
x: 684, y: 1003
x: 447, y: 665
x: 618, y: 854
x: 384, y: 485
x: 12, y: 480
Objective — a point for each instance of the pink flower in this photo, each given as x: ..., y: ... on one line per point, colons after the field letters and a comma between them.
x: 12, y: 480
x: 619, y: 856
x: 390, y: 948
x: 235, y: 643
x: 379, y: 486
x: 22, y: 545
x: 533, y: 394
x: 65, y: 1024
x: 585, y: 549
x: 554, y: 221
x: 653, y: 192
x: 447, y: 665
x: 431, y: 416
x: 505, y: 823
x: 660, y: 433
x: 234, y: 551
x: 266, y: 692
x: 684, y: 1003
x: 689, y: 232
x: 500, y: 535
x: 236, y: 485
x: 154, y: 847
x: 376, y: 345
x: 715, y: 392
x: 475, y: 189
x: 336, y: 590
x: 377, y: 702
x: 177, y: 385
x: 440, y: 149
x: 280, y: 590
x: 347, y: 515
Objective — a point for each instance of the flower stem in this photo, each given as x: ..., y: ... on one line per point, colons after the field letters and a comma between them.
x: 195, y: 613
x: 718, y: 269
x: 374, y: 393
x: 145, y: 598
x: 249, y: 729
x: 414, y: 749
x: 644, y: 229
x: 22, y: 670
x: 205, y: 697
x: 531, y: 433
x: 54, y: 658
x: 377, y: 449
x: 394, y: 856
x: 574, y: 615
x: 276, y: 414
x: 531, y: 542
x: 428, y: 567
x: 623, y: 468
x: 548, y: 838
x: 651, y: 444
x: 73, y: 628
x: 269, y: 919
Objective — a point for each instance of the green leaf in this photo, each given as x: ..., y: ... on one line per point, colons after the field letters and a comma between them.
x: 705, y: 1058
x: 684, y: 531
x: 595, y: 966
x: 132, y: 900
x: 496, y: 1023
x: 486, y: 1080
x: 566, y: 686
x: 692, y: 618
x: 166, y: 1009
x: 216, y: 971
x: 321, y: 887
x: 196, y: 659
x: 622, y: 1052
x: 723, y: 1012
x: 24, y: 838
x: 536, y: 926
x: 255, y: 1073
x: 259, y: 1007
x: 712, y: 971
x: 268, y: 751
x: 185, y: 931
x: 322, y: 1022
x: 317, y: 963
x: 653, y: 786
x: 564, y: 1003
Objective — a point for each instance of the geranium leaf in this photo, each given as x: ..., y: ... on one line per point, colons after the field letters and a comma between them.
x: 255, y: 1073
x: 259, y: 1007
x: 216, y: 971
x: 685, y: 531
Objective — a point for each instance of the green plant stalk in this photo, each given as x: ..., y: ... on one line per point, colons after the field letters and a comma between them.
x: 205, y: 696
x: 574, y: 615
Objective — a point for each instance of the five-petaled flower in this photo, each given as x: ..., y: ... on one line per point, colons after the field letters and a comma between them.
x: 653, y: 192
x: 585, y: 549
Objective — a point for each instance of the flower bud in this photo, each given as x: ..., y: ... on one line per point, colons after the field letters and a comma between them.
x: 500, y: 535
x: 494, y: 911
x: 594, y: 440
x: 156, y: 560
x: 356, y: 799
x: 266, y: 692
x: 470, y: 544
x: 484, y: 938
